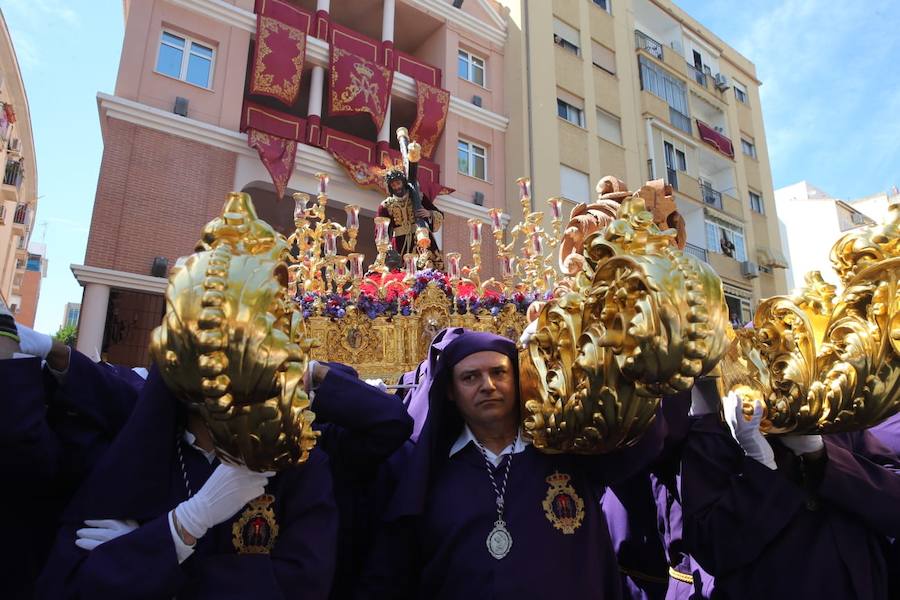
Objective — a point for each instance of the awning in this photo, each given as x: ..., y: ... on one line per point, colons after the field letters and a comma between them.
x: 771, y: 257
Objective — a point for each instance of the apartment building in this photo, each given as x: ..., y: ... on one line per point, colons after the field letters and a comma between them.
x: 641, y: 90
x: 18, y: 190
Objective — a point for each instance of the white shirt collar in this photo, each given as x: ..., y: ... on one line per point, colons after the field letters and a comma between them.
x: 466, y: 437
x: 191, y: 439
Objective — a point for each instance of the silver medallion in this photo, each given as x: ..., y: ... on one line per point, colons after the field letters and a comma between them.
x: 499, y: 541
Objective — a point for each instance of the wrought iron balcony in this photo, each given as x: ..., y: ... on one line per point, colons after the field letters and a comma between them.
x: 13, y: 174
x: 695, y: 251
x: 698, y: 75
x: 645, y: 42
x: 680, y: 120
x: 21, y: 214
x: 710, y: 195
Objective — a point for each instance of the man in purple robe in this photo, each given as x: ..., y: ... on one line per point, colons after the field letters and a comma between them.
x: 644, y: 513
x: 62, y: 411
x: 478, y: 512
x: 790, y: 516
x: 161, y: 517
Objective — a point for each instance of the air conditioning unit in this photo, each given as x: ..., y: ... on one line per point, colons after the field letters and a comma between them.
x: 478, y: 198
x: 476, y: 100
x: 721, y: 82
x: 181, y: 106
x: 749, y: 269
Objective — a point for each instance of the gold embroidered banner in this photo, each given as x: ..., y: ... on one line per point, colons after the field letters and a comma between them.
x: 358, y: 86
x: 277, y: 154
x: 277, y: 59
x: 432, y: 105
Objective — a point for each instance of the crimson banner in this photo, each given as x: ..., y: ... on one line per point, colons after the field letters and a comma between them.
x: 277, y: 154
x: 277, y: 60
x: 268, y: 120
x: 358, y: 86
x: 432, y: 106
x: 715, y: 139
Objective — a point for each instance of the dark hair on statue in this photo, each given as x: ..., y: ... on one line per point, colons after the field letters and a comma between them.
x: 394, y: 175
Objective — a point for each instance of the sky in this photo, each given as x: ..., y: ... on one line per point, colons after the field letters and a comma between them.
x: 830, y: 99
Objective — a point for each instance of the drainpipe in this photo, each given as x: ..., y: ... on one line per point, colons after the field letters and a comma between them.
x: 651, y: 150
x: 526, y: 22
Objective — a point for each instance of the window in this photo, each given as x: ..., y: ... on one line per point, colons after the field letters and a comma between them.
x: 566, y: 37
x: 725, y: 238
x: 609, y: 127
x: 740, y: 92
x: 183, y: 58
x: 739, y: 312
x: 748, y: 148
x: 574, y: 184
x: 605, y: 5
x: 34, y: 262
x: 756, y: 203
x: 663, y: 85
x: 471, y: 67
x: 572, y: 114
x: 603, y: 57
x: 472, y: 159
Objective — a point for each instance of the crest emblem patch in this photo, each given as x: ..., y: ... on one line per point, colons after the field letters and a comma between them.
x: 563, y: 507
x: 256, y: 530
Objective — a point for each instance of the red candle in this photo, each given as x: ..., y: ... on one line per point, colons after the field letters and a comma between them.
x: 474, y: 231
x: 352, y: 216
x: 496, y: 219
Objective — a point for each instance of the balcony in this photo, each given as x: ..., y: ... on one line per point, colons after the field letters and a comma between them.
x: 711, y: 196
x: 14, y: 173
x: 21, y: 214
x: 697, y: 75
x: 646, y: 43
x: 716, y: 139
x: 695, y: 251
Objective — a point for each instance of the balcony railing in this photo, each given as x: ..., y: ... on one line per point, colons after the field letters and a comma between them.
x: 21, y: 214
x: 698, y: 75
x: 695, y: 251
x: 710, y: 195
x: 679, y: 119
x: 645, y: 42
x: 672, y: 177
x: 13, y: 173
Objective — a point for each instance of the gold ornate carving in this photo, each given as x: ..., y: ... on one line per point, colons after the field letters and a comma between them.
x: 640, y: 320
x: 231, y: 345
x: 826, y: 362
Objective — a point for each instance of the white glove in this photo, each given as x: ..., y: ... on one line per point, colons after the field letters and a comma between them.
x: 746, y: 431
x: 803, y: 444
x: 226, y: 491
x: 34, y: 343
x: 528, y: 333
x: 378, y: 383
x: 101, y: 531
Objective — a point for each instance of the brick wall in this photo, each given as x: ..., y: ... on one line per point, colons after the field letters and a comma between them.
x: 154, y: 194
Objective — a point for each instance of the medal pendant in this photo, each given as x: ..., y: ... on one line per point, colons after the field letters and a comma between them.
x: 499, y: 541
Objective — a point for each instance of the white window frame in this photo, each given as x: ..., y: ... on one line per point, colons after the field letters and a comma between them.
x: 469, y: 58
x: 186, y: 53
x: 607, y: 9
x: 740, y: 92
x: 559, y: 31
x: 761, y: 205
x: 745, y: 143
x: 601, y: 114
x: 737, y: 238
x: 571, y: 111
x: 472, y: 149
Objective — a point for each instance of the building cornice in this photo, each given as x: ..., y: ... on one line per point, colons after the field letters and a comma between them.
x: 311, y: 158
x: 85, y: 274
x: 444, y: 10
x: 317, y: 51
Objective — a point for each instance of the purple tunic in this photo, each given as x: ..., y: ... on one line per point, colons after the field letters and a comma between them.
x: 432, y: 543
x: 803, y: 531
x: 50, y: 438
x: 141, y: 478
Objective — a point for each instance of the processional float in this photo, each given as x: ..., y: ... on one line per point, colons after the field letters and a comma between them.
x: 624, y: 319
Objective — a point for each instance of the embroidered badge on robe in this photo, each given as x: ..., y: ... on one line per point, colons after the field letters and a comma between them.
x: 256, y: 530
x: 563, y: 507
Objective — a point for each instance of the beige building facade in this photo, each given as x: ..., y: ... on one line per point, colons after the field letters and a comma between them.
x: 640, y: 90
x: 18, y: 189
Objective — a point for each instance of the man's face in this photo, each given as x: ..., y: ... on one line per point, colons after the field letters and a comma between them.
x: 397, y: 187
x: 483, y: 388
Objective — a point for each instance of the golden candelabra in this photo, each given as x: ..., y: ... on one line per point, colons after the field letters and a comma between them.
x: 314, y: 262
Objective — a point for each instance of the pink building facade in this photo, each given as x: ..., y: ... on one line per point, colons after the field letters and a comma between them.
x: 173, y: 146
